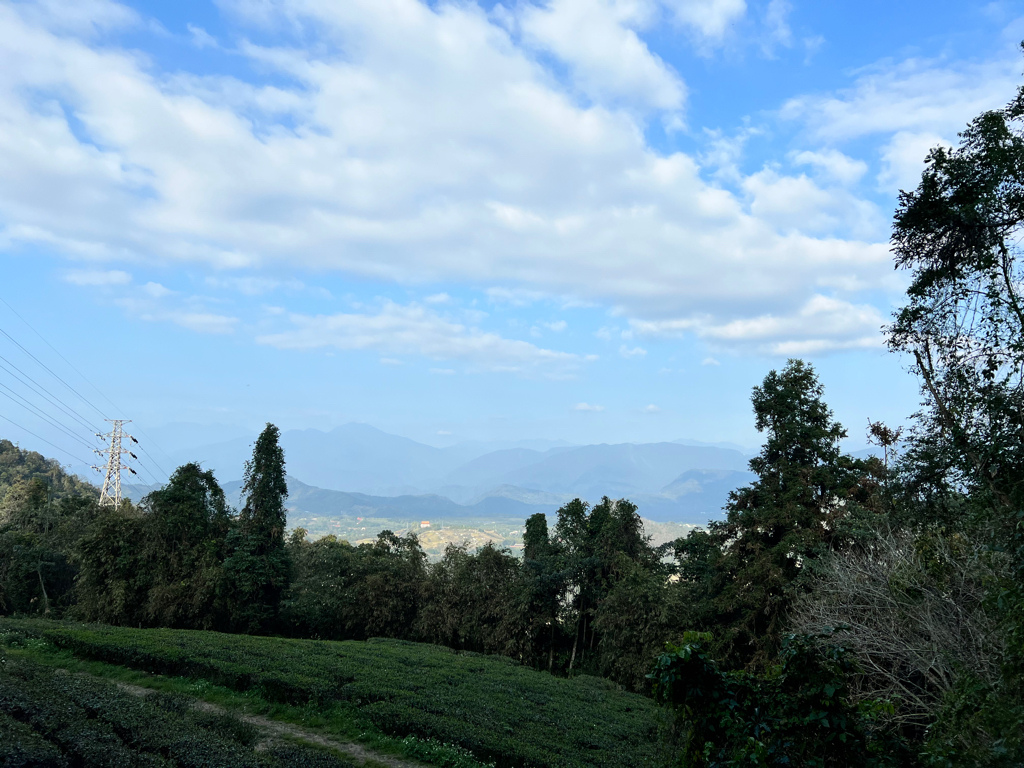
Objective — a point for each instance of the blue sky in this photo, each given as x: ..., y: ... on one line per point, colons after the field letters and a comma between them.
x: 586, y: 220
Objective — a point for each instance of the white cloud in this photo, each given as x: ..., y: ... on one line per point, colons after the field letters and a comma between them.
x: 652, y: 409
x: 415, y: 330
x: 201, y: 38
x: 709, y: 361
x: 597, y: 39
x: 98, y: 277
x: 148, y: 310
x: 587, y: 407
x: 156, y: 290
x: 799, y: 204
x: 823, y: 324
x: 440, y: 149
x: 82, y: 17
x: 916, y: 95
x: 833, y: 164
x: 203, y: 322
x: 443, y: 371
x: 252, y: 285
x: 634, y: 352
x: 776, y: 20
x: 557, y: 325
x: 438, y: 298
x: 709, y: 17
x: 903, y: 159
x: 390, y: 361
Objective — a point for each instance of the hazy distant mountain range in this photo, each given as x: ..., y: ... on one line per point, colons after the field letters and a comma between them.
x: 357, y: 469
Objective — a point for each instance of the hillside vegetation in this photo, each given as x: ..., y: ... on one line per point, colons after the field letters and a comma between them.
x: 844, y: 612
x: 497, y: 710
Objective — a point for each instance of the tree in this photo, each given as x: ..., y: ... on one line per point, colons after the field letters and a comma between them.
x: 958, y: 234
x: 792, y: 513
x: 474, y: 602
x: 187, y: 523
x: 340, y: 592
x: 258, y: 563
x: 914, y: 617
x: 797, y: 713
x: 543, y: 585
x: 114, y: 573
x: 613, y: 578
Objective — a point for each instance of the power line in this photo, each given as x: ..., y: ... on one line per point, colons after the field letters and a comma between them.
x: 45, y: 393
x: 62, y: 450
x: 36, y: 411
x: 57, y: 352
x: 47, y: 368
x: 152, y: 458
x: 85, y: 379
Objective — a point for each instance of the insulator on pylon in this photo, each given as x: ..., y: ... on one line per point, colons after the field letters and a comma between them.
x: 133, y: 438
x: 133, y: 455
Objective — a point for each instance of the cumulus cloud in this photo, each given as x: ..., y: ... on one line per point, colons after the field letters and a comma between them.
x: 833, y: 165
x: 587, y: 407
x: 799, y: 204
x: 415, y: 330
x: 652, y: 409
x: 632, y: 352
x: 597, y: 39
x: 441, y: 147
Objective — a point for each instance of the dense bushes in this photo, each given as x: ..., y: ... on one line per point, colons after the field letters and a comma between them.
x: 798, y: 712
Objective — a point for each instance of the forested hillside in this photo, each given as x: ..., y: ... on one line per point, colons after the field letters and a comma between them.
x: 23, y: 471
x: 845, y: 612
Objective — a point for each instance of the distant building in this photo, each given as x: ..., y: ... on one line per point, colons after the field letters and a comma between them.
x: 425, y: 524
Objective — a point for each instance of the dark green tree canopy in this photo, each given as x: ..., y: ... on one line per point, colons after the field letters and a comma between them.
x: 791, y: 513
x: 265, y: 488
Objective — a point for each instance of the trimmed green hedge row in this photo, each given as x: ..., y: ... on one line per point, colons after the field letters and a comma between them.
x: 53, y: 718
x: 501, y: 712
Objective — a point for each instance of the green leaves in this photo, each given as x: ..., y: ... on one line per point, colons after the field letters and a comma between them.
x: 738, y: 579
x: 795, y: 713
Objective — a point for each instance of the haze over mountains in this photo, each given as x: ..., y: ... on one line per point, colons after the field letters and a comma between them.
x: 358, y: 467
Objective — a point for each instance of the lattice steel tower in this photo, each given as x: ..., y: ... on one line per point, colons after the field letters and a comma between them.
x: 110, y: 495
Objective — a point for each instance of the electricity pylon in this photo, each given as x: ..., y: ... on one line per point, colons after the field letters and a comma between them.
x: 110, y: 495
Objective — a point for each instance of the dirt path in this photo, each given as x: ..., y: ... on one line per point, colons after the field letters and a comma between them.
x: 275, y: 728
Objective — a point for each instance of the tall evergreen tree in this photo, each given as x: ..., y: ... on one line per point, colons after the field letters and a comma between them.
x: 543, y: 586
x: 787, y: 516
x: 258, y: 563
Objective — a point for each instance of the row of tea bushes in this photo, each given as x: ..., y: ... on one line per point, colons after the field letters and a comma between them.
x: 499, y: 711
x: 49, y: 717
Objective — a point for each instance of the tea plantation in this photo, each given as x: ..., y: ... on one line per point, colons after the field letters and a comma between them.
x: 51, y: 718
x: 500, y: 712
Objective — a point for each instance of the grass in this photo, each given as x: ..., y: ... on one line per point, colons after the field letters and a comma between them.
x: 422, y: 701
